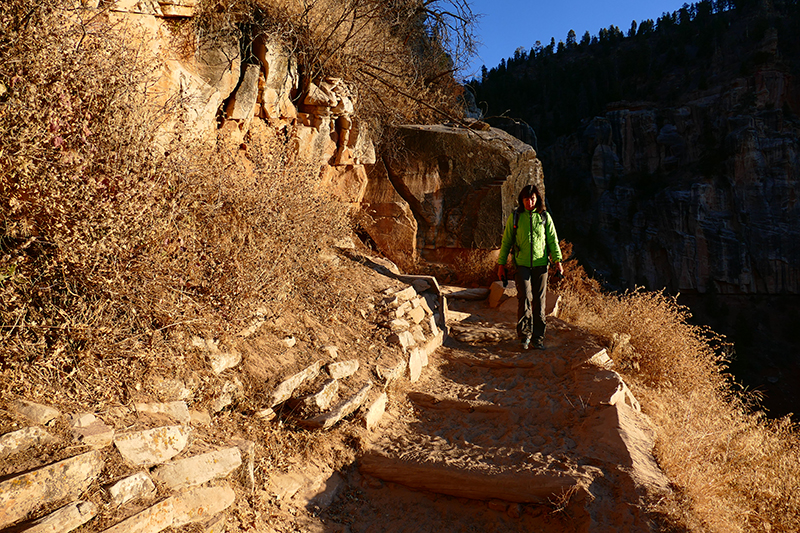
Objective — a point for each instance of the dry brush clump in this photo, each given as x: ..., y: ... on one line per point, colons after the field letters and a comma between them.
x: 398, y: 57
x: 732, y: 468
x: 109, y: 248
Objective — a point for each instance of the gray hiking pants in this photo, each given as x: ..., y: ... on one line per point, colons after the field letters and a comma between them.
x: 531, y: 289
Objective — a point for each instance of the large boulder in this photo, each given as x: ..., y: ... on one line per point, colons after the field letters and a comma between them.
x: 460, y: 184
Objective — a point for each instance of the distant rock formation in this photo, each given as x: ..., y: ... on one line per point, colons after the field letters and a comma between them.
x: 693, y: 196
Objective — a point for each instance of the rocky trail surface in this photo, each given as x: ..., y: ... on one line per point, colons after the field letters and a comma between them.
x: 494, y: 438
x: 413, y: 427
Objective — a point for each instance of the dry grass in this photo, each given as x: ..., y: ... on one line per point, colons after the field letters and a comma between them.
x: 110, y: 253
x: 733, y: 469
x: 397, y: 59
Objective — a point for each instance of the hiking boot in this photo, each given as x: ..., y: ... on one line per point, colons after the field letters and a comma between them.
x: 539, y: 344
x: 525, y: 343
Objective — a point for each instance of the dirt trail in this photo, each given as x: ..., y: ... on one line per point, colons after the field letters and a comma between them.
x: 492, y: 438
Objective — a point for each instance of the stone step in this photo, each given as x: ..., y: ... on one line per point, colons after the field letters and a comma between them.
x: 188, y: 507
x: 431, y: 401
x: 65, y: 519
x: 152, y: 446
x: 461, y: 293
x: 199, y: 468
x: 480, y: 474
x: 64, y: 480
x: 22, y: 439
x: 524, y: 360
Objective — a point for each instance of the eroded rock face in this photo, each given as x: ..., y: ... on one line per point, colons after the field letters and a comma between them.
x: 389, y: 219
x: 695, y: 198
x: 460, y: 184
x: 190, y: 90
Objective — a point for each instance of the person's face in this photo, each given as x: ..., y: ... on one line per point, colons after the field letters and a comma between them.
x: 529, y: 203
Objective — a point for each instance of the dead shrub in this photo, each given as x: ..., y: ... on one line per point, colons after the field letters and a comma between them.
x: 397, y: 57
x: 732, y: 469
x: 112, y: 253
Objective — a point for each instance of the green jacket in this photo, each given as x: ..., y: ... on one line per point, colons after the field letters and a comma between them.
x: 529, y: 249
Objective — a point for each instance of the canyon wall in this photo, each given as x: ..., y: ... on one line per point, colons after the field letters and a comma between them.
x: 700, y: 196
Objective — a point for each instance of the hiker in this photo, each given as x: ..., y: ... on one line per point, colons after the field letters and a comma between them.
x: 531, y: 234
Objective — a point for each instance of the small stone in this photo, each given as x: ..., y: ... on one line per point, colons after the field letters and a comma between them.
x: 327, y: 420
x: 178, y: 411
x: 284, y: 391
x: 389, y: 370
x: 375, y: 411
x: 403, y: 309
x: 415, y: 364
x: 425, y: 304
x: 65, y: 519
x: 404, y: 339
x: 221, y: 402
x: 198, y: 469
x: 266, y: 414
x: 343, y: 369
x: 81, y: 420
x: 152, y: 446
x: 37, y: 413
x: 138, y: 485
x: 417, y: 314
x: 434, y: 327
x: 222, y: 361
x: 398, y: 324
x: 324, y: 398
x: 406, y: 294
x: 289, y: 342
x: 418, y: 334
x: 199, y: 418
x: 331, y: 350
x: 392, y: 302
x: 22, y: 439
x: 498, y: 293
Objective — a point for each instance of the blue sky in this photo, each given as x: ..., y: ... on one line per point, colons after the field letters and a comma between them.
x: 509, y: 24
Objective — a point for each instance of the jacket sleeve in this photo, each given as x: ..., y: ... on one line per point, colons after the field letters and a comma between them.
x: 552, y: 240
x: 506, y: 245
